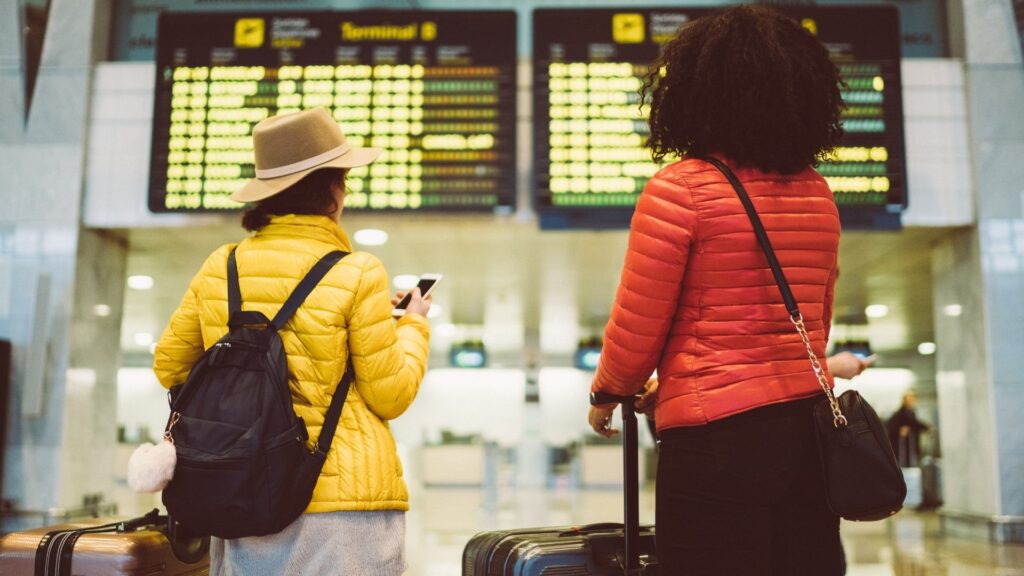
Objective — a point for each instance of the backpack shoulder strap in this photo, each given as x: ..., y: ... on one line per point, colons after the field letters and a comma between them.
x: 306, y: 286
x: 333, y: 414
x: 234, y: 292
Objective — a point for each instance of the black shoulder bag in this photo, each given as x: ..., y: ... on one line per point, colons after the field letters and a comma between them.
x: 862, y: 479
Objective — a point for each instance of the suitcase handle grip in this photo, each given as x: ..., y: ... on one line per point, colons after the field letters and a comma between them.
x: 151, y: 519
x: 597, y: 528
x: 592, y: 528
x: 187, y: 547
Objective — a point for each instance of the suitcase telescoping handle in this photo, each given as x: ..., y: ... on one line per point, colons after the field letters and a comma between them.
x: 631, y: 476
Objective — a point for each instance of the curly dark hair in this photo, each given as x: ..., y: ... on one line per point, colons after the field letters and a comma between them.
x: 747, y: 82
x: 311, y: 195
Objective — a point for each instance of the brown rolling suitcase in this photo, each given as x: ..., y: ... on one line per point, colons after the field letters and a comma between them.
x: 131, y: 547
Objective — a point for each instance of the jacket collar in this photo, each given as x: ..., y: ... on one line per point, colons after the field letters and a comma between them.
x: 307, y: 226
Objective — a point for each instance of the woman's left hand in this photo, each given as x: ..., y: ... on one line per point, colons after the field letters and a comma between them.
x: 600, y: 418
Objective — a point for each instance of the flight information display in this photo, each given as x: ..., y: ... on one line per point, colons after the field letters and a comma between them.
x: 590, y: 127
x: 435, y: 90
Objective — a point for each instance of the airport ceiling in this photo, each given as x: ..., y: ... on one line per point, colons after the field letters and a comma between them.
x: 508, y: 270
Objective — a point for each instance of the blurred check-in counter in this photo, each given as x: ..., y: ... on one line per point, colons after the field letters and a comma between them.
x: 453, y: 433
x: 463, y: 420
x: 564, y: 404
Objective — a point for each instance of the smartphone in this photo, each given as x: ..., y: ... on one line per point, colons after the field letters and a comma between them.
x: 426, y: 284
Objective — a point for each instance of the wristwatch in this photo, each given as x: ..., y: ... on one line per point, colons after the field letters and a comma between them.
x: 602, y: 398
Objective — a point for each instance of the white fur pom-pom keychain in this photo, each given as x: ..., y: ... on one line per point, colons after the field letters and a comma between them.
x: 151, y: 467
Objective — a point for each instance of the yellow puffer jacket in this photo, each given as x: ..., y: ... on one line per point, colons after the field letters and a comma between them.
x: 348, y: 312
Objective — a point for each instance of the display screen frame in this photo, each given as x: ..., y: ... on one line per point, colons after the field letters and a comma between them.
x: 491, y: 41
x: 594, y: 29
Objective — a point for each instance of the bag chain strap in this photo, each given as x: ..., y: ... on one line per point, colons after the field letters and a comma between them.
x: 838, y: 419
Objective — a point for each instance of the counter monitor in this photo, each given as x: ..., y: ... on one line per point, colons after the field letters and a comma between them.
x: 435, y: 90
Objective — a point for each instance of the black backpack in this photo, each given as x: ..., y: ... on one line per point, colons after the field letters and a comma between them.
x: 243, y: 468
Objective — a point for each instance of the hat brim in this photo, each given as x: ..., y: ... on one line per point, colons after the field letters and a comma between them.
x: 258, y: 189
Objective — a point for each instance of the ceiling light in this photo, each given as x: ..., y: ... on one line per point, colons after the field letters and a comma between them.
x: 953, y: 310
x: 926, y: 348
x: 143, y: 339
x: 371, y: 237
x: 405, y: 281
x: 877, y: 311
x: 101, y: 310
x: 446, y: 331
x: 435, y: 311
x: 140, y: 282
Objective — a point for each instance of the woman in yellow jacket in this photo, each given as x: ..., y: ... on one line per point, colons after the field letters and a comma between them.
x: 355, y: 523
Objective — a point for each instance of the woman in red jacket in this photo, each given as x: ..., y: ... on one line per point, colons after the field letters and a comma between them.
x: 739, y: 487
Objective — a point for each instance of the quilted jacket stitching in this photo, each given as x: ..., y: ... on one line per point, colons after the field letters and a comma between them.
x: 711, y: 203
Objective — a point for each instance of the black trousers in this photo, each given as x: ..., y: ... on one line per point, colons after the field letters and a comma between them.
x: 744, y: 496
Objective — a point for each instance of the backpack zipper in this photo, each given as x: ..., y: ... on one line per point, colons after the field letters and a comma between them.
x: 222, y: 346
x: 236, y: 345
x: 219, y: 464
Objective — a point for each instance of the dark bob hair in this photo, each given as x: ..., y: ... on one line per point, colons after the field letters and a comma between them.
x: 749, y: 83
x: 311, y: 195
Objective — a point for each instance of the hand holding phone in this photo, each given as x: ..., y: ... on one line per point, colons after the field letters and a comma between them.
x: 847, y: 365
x: 425, y: 285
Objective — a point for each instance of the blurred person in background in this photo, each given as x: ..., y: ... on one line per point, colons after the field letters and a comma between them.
x: 355, y: 523
x: 905, y: 432
x: 739, y: 488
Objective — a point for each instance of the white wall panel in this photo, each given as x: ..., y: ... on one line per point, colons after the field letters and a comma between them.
x: 938, y: 164
x: 117, y: 158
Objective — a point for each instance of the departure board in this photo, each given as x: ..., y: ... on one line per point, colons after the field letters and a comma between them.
x: 435, y: 90
x: 590, y: 129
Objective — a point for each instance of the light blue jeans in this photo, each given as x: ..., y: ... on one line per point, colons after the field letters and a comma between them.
x: 335, y: 543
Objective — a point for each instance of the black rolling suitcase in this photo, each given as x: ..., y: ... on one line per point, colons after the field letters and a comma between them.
x: 594, y: 550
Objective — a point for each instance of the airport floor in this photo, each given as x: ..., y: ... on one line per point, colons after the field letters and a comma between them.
x: 443, y: 519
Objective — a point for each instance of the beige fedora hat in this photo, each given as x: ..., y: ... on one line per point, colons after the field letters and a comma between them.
x: 291, y: 146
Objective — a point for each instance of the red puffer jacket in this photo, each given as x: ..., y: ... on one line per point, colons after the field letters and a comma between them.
x: 697, y: 299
